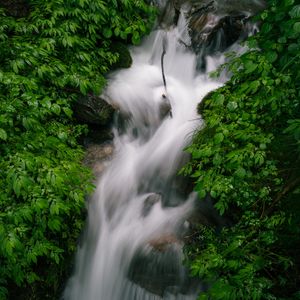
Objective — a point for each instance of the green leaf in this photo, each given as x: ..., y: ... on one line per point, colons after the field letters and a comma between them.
x: 296, y: 27
x: 218, y: 138
x: 240, y: 172
x: 295, y: 12
x: 266, y: 28
x: 271, y: 56
x: 117, y: 31
x: 250, y: 66
x: 135, y: 38
x: 232, y: 106
x: 288, y: 2
x: 55, y: 108
x: 107, y: 32
x: 3, y: 134
x: 219, y: 100
x: 68, y: 112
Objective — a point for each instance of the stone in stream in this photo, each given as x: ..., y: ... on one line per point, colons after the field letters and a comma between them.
x: 93, y: 110
x: 165, y: 107
x: 97, y: 157
x: 157, y: 268
x: 149, y: 202
x: 124, y: 57
x: 213, y: 25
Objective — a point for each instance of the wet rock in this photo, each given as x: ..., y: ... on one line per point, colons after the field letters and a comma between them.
x: 162, y: 243
x: 156, y: 271
x: 157, y: 268
x: 201, y: 105
x: 97, y: 135
x: 149, y: 202
x: 170, y: 12
x: 211, y: 31
x: 206, y: 214
x: 93, y: 110
x: 98, y: 156
x: 214, y: 25
x: 165, y: 107
x: 125, y: 59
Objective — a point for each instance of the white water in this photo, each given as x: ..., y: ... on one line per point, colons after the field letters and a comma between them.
x: 148, y: 154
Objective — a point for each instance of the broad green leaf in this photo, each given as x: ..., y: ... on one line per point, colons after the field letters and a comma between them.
x: 295, y: 12
x: 250, y: 66
x: 296, y: 27
x: 289, y: 2
x: 135, y: 38
x: 218, y: 138
x: 107, y: 32
x: 232, y: 106
x: 271, y: 56
x: 240, y: 172
x: 55, y: 108
x: 3, y: 134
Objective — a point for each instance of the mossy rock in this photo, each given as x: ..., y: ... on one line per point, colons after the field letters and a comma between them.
x: 125, y: 59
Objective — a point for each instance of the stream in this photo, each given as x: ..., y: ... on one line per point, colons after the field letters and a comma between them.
x: 132, y: 248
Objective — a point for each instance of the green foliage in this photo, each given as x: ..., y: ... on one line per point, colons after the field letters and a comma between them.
x: 60, y: 51
x: 247, y: 158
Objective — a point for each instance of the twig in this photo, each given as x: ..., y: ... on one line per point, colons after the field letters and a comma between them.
x: 164, y: 44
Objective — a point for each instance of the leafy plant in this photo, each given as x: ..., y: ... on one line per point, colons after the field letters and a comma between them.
x: 48, y: 58
x: 247, y: 158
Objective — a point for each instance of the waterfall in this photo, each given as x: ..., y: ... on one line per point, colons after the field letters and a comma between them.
x: 137, y: 217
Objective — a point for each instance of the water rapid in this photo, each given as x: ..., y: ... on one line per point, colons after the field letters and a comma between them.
x: 132, y: 247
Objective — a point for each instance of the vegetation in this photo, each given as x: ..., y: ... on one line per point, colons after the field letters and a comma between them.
x: 50, y: 55
x: 247, y: 159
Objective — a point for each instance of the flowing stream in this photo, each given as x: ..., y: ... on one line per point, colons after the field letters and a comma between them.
x: 132, y: 247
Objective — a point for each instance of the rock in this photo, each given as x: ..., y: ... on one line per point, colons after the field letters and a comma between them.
x: 156, y: 271
x: 157, y: 267
x: 93, y: 110
x: 170, y: 13
x: 201, y: 105
x: 162, y: 243
x: 206, y: 214
x: 125, y: 59
x: 165, y: 107
x: 213, y: 32
x: 97, y: 157
x: 149, y: 202
x: 16, y: 8
x: 216, y: 25
x: 213, y: 25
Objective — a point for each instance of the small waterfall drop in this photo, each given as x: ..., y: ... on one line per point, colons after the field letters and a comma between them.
x: 137, y: 215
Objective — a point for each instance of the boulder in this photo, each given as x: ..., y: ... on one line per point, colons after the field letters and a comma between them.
x: 149, y: 202
x: 97, y: 156
x: 213, y: 25
x: 206, y: 214
x: 212, y: 31
x: 164, y: 242
x: 93, y: 110
x: 165, y: 107
x: 125, y: 59
x: 157, y: 271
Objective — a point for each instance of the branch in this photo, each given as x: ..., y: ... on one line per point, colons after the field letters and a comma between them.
x: 164, y: 44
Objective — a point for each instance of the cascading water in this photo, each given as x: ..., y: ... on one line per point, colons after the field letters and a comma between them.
x: 132, y: 248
